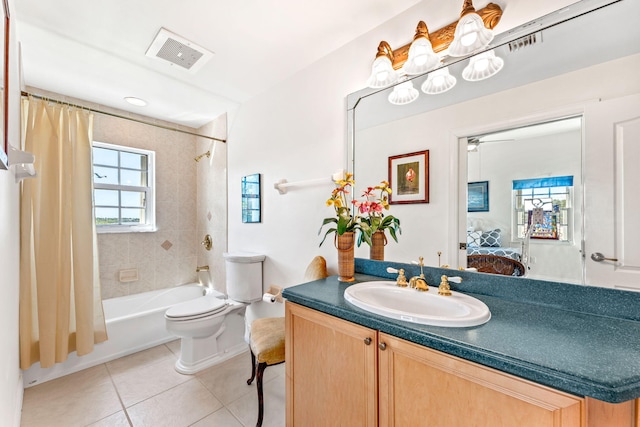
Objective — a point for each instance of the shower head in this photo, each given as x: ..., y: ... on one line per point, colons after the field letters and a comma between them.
x: 198, y: 158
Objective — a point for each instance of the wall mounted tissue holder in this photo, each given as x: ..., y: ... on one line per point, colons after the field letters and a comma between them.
x: 273, y: 295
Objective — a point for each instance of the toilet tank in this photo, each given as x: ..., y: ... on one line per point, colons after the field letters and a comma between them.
x: 244, y: 276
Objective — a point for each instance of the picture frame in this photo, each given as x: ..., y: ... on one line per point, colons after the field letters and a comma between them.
x: 409, y: 178
x: 547, y: 229
x: 4, y: 91
x: 251, y: 200
x: 478, y: 196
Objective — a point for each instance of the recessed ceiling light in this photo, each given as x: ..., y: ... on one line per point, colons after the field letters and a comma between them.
x: 135, y: 101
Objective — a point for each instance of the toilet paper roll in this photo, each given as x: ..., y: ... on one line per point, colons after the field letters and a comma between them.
x: 270, y: 298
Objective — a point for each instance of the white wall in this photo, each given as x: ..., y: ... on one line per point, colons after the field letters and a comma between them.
x: 10, y: 379
x: 297, y: 132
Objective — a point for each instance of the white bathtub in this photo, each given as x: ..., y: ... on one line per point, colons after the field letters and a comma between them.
x: 134, y: 323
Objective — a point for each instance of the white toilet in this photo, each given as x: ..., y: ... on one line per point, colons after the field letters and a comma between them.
x: 212, y: 327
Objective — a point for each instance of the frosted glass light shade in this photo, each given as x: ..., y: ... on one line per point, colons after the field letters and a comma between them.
x: 382, y: 73
x: 421, y: 57
x: 403, y: 94
x: 438, y: 81
x: 470, y: 36
x: 482, y: 66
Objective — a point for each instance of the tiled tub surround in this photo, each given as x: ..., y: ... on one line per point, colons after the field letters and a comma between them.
x: 190, y: 202
x: 578, y: 339
x: 167, y: 256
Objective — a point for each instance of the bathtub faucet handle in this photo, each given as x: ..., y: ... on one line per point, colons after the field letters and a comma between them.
x: 202, y: 268
x: 207, y: 242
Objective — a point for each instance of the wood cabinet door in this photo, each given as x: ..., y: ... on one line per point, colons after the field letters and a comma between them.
x: 330, y: 370
x: 421, y: 386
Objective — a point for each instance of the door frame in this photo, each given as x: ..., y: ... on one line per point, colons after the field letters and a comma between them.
x: 459, y: 168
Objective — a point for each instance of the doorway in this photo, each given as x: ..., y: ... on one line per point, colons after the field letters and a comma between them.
x: 524, y: 198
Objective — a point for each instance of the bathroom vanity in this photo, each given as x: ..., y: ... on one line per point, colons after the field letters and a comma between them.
x: 552, y: 355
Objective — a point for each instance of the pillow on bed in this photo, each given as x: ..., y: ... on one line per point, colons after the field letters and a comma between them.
x: 473, y: 238
x: 490, y: 239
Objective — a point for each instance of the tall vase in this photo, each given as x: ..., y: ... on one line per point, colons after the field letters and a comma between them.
x: 378, y: 242
x: 345, y: 244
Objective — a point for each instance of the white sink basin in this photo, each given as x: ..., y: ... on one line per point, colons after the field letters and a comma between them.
x: 427, y: 308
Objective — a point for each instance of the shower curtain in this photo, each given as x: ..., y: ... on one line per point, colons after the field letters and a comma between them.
x: 60, y: 304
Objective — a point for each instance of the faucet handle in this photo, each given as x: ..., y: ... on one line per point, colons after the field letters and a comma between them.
x: 392, y: 270
x: 402, y: 279
x: 420, y: 262
x: 444, y: 288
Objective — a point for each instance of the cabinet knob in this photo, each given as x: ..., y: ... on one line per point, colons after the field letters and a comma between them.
x: 382, y: 346
x: 367, y: 340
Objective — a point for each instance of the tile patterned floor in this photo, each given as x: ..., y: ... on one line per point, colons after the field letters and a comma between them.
x: 143, y: 389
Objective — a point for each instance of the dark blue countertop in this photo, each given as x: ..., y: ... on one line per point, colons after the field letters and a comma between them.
x: 579, y: 339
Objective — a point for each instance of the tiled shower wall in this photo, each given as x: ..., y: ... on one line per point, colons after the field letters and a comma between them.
x: 169, y: 256
x: 212, y: 203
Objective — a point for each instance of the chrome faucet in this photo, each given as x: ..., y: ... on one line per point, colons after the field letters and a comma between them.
x: 203, y: 268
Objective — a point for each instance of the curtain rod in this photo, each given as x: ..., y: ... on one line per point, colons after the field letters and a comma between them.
x: 144, y: 122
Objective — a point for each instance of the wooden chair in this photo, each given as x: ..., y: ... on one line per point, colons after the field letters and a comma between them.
x: 496, y: 265
x: 266, y: 340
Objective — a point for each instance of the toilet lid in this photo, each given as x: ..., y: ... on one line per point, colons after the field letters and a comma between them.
x: 201, y: 306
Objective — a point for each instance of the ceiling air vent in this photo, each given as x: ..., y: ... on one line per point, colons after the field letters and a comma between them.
x: 525, y: 41
x: 178, y: 51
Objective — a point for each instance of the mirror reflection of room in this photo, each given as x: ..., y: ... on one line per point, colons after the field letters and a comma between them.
x: 530, y: 217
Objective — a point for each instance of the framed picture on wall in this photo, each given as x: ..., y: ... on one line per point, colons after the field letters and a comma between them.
x: 544, y: 226
x: 250, y: 191
x: 409, y: 178
x: 478, y: 196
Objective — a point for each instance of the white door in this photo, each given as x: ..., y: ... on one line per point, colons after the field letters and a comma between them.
x: 612, y: 193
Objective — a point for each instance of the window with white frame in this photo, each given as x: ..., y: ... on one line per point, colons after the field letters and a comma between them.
x: 123, y: 188
x: 543, y: 208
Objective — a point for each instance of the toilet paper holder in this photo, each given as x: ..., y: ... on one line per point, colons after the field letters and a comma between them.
x: 273, y: 294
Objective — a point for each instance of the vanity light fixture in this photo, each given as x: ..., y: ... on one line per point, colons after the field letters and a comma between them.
x: 438, y: 81
x: 421, y: 56
x: 382, y: 72
x: 387, y: 60
x: 482, y: 66
x: 403, y: 94
x: 471, y: 35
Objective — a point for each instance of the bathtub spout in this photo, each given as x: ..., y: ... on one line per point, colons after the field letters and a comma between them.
x: 202, y: 268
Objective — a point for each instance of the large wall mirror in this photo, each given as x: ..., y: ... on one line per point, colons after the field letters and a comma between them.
x: 557, y: 110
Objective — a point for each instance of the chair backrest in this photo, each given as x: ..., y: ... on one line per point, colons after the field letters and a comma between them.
x: 496, y: 265
x: 316, y: 270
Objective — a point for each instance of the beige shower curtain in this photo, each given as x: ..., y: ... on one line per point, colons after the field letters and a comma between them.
x: 60, y: 304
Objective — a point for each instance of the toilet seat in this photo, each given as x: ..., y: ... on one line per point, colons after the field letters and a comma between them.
x: 196, y: 308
